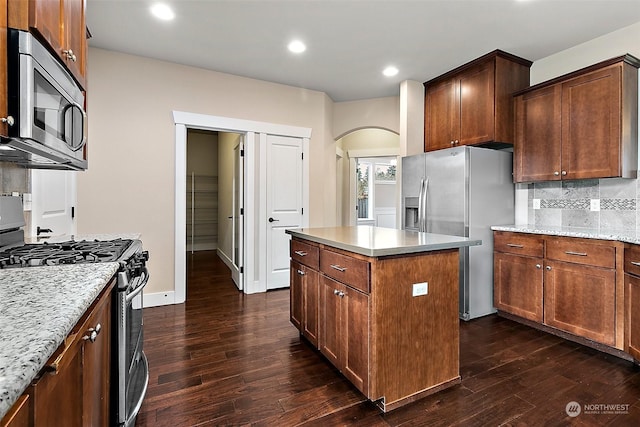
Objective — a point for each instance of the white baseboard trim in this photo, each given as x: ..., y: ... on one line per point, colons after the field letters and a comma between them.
x: 225, y: 259
x: 159, y: 298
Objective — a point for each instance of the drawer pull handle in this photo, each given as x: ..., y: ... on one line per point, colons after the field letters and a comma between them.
x: 513, y: 245
x: 575, y: 253
x: 337, y: 267
x: 637, y: 264
x: 300, y: 253
x: 300, y: 272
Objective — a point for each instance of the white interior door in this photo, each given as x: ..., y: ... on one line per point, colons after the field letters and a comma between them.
x: 284, y: 204
x: 53, y: 202
x: 238, y: 215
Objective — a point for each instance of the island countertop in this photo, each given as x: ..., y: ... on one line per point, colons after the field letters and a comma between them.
x: 377, y: 241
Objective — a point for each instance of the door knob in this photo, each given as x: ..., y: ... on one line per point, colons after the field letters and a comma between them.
x: 273, y: 220
x: 43, y: 230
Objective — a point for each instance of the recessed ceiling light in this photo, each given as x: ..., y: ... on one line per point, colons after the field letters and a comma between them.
x: 297, y: 46
x: 162, y: 11
x: 390, y: 71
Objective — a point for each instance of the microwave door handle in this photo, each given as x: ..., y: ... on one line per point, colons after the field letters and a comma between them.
x: 83, y: 128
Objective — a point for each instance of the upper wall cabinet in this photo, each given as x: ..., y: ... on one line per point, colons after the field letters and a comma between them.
x: 580, y: 125
x: 61, y: 24
x: 473, y: 104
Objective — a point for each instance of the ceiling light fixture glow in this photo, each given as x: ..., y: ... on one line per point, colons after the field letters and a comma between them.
x: 162, y: 11
x: 297, y: 46
x: 390, y: 71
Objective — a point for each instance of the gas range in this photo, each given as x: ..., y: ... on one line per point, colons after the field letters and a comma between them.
x: 67, y: 252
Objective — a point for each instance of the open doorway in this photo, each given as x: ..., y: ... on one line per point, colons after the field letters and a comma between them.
x: 215, y: 196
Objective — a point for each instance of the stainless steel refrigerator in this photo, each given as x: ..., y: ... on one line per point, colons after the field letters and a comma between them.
x: 462, y: 191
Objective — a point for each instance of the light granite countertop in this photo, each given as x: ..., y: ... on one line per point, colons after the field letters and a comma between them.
x: 627, y: 236
x: 377, y: 241
x: 34, y: 319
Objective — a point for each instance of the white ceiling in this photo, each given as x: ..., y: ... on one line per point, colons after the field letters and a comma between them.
x: 350, y: 42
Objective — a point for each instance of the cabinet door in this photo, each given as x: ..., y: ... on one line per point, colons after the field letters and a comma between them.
x: 96, y: 369
x: 632, y: 323
x: 581, y: 300
x: 3, y: 66
x: 517, y: 286
x: 538, y: 135
x: 57, y: 394
x: 591, y: 125
x: 330, y: 323
x: 311, y: 299
x: 355, y: 310
x: 45, y: 17
x: 296, y: 275
x: 476, y: 110
x: 19, y: 414
x: 441, y: 115
x: 75, y: 38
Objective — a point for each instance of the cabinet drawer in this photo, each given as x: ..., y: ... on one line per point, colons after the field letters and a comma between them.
x: 597, y: 254
x: 632, y: 260
x: 518, y: 243
x: 350, y: 271
x: 304, y: 253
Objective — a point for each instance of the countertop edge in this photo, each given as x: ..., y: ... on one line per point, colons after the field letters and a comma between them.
x: 387, y: 251
x: 612, y: 235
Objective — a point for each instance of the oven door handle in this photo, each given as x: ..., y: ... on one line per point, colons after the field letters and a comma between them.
x: 137, y: 290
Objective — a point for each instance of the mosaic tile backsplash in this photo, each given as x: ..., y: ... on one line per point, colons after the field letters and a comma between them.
x: 610, y: 203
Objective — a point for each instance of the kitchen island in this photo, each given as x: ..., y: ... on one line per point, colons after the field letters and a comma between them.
x: 381, y: 305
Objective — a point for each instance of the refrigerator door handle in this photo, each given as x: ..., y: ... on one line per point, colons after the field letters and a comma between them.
x: 424, y: 204
x: 420, y: 212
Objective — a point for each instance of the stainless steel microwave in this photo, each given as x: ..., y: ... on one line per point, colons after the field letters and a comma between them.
x: 47, y: 124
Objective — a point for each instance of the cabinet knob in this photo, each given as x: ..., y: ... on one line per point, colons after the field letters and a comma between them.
x: 9, y: 120
x: 456, y: 142
x: 538, y: 266
x: 556, y: 173
x: 341, y: 294
x: 68, y: 53
x: 548, y: 267
x: 300, y: 272
x: 91, y: 337
x: 452, y: 142
x: 336, y: 292
x: 564, y: 173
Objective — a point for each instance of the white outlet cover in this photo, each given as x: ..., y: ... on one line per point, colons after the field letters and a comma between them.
x: 595, y: 205
x: 420, y: 289
x: 536, y: 204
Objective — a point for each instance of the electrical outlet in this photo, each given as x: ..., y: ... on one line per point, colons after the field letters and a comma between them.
x: 595, y: 205
x: 536, y: 204
x: 420, y: 289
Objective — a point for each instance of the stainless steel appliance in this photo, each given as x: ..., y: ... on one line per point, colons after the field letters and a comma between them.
x: 462, y: 191
x: 130, y: 370
x: 47, y: 124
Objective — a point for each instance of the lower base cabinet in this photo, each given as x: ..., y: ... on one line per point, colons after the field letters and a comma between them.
x: 632, y: 315
x: 393, y: 343
x: 345, y: 330
x: 518, y: 285
x: 74, y: 387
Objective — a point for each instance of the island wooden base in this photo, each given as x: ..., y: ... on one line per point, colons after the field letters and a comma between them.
x: 386, y: 407
x: 389, y: 324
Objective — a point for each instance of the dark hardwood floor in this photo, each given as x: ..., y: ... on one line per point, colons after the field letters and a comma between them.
x: 225, y: 358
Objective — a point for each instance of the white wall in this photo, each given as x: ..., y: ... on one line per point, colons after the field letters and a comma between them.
x: 381, y: 113
x: 129, y: 186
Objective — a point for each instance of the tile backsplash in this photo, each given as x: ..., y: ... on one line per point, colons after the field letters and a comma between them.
x: 610, y: 203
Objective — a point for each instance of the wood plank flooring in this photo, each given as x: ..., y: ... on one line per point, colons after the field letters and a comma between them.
x: 225, y: 358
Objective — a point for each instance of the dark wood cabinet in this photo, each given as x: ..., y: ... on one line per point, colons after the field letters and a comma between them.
x: 374, y: 326
x: 20, y: 413
x: 518, y: 276
x: 580, y: 299
x: 4, y: 107
x: 632, y: 300
x: 472, y: 105
x: 518, y: 285
x: 73, y: 388
x: 345, y: 330
x: 581, y: 125
x: 61, y: 24
x: 304, y: 289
